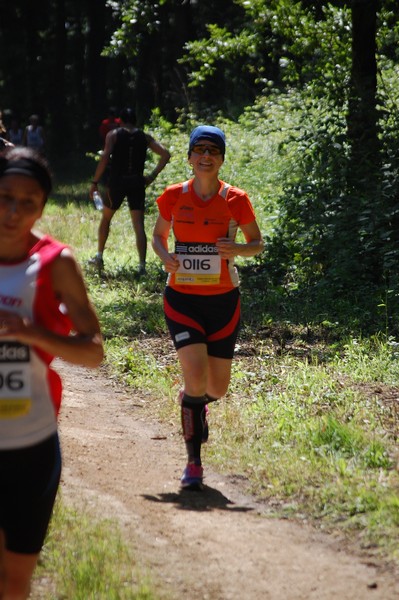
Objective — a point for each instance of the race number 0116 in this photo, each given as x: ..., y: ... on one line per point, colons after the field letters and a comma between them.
x: 197, y: 264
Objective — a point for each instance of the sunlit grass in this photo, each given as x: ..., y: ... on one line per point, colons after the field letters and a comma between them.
x: 85, y: 558
x: 374, y: 359
x: 313, y: 442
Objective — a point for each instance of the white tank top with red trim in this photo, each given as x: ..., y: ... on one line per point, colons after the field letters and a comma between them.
x: 29, y: 389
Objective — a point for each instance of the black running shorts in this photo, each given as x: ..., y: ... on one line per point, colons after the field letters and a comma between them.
x: 132, y: 188
x: 29, y: 480
x: 211, y: 320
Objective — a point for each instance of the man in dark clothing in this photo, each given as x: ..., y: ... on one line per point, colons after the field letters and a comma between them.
x: 128, y: 147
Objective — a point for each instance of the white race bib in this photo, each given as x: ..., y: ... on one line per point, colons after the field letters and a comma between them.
x: 15, y: 380
x: 200, y: 263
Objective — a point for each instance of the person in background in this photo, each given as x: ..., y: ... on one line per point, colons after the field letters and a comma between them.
x: 128, y: 147
x: 15, y: 133
x: 34, y: 135
x: 108, y: 124
x: 43, y: 300
x: 201, y: 298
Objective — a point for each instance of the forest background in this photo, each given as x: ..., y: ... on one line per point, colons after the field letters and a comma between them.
x: 330, y: 66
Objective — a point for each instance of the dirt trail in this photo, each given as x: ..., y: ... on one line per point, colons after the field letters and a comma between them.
x: 214, y: 545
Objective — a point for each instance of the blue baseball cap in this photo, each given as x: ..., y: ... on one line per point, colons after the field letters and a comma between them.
x: 210, y: 133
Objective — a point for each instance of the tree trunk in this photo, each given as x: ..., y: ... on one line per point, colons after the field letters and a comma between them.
x: 57, y: 93
x: 96, y: 80
x: 364, y: 173
x: 362, y: 116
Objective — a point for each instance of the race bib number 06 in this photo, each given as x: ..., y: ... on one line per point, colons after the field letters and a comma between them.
x: 199, y: 264
x: 15, y: 380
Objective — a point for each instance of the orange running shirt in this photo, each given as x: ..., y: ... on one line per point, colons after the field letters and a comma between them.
x: 197, y: 225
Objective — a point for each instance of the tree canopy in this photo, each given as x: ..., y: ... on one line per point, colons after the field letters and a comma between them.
x: 336, y: 62
x: 69, y: 61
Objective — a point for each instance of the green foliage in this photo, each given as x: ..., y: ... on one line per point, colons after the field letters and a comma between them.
x: 334, y: 240
x: 371, y: 359
x: 337, y: 440
x: 138, y: 19
x: 136, y: 367
x: 388, y: 30
x: 312, y: 439
x: 314, y: 46
x: 279, y: 42
x: 205, y: 57
x: 163, y: 53
x: 152, y: 37
x: 130, y: 307
x: 88, y: 559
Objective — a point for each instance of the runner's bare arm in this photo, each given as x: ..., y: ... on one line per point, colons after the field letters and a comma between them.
x: 160, y: 245
x: 254, y: 244
x: 103, y: 162
x: 164, y: 155
x: 85, y: 346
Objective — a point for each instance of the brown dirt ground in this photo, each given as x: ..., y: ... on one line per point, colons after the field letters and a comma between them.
x: 219, y: 544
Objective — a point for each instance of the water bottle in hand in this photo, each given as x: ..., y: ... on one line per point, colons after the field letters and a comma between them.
x: 98, y: 201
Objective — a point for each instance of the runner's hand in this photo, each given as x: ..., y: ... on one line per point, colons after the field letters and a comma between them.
x: 12, y: 325
x: 226, y: 247
x: 171, y: 263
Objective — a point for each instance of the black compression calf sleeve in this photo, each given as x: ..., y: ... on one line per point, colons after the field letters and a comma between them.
x: 192, y: 408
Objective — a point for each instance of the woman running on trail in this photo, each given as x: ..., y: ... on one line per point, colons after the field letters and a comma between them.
x: 201, y: 298
x: 42, y: 300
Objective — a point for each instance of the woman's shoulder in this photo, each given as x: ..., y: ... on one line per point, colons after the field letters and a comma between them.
x: 47, y: 246
x: 174, y: 190
x: 232, y: 192
x: 181, y: 186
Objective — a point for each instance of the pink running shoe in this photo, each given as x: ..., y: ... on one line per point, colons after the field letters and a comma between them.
x: 192, y: 477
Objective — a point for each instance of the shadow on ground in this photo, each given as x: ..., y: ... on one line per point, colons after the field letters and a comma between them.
x: 206, y: 500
